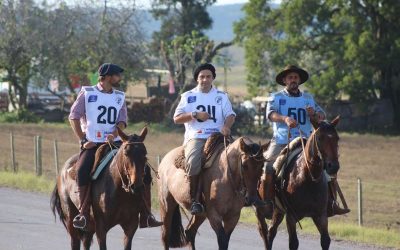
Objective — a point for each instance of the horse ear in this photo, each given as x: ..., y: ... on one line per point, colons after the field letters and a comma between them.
x: 265, y: 146
x: 143, y: 133
x: 244, y: 147
x: 335, y: 121
x: 121, y: 134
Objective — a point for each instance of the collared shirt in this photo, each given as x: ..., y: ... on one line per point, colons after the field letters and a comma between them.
x: 78, y: 111
x: 216, y: 103
x: 294, y: 106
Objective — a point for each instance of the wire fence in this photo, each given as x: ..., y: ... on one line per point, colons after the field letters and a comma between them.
x: 372, y: 202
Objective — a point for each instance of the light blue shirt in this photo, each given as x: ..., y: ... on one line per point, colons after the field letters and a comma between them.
x: 294, y: 106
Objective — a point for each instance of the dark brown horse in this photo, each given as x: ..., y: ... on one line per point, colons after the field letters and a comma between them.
x: 305, y: 189
x: 236, y: 169
x: 115, y: 195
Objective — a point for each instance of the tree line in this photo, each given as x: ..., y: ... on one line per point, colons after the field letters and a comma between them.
x: 350, y: 47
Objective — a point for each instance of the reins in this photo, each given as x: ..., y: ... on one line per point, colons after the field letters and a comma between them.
x: 306, y: 158
x: 126, y: 187
x: 242, y: 188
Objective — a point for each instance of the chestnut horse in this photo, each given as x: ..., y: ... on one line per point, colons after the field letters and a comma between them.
x: 226, y: 185
x: 305, y: 189
x: 115, y: 194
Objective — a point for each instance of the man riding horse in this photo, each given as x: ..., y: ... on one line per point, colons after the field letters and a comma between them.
x: 291, y: 112
x: 204, y: 110
x: 94, y: 118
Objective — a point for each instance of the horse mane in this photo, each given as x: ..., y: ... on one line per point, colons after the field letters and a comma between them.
x: 212, y: 143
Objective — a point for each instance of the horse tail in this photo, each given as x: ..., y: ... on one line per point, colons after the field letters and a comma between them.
x: 55, y: 204
x: 177, y: 237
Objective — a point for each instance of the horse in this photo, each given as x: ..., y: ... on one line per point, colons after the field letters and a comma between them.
x: 304, y: 192
x: 115, y: 194
x: 226, y: 185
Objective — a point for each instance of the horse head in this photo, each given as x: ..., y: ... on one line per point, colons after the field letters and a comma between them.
x: 326, y: 144
x: 133, y: 159
x: 252, y: 160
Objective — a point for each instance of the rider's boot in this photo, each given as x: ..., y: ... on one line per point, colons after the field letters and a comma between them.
x: 147, y: 219
x: 267, y: 192
x: 333, y: 206
x: 196, y: 207
x: 81, y: 221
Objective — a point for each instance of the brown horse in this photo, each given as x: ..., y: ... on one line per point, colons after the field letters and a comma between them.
x: 304, y: 192
x: 236, y: 169
x: 115, y: 195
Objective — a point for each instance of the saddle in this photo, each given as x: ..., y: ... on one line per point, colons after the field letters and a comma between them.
x: 284, y: 159
x: 212, y: 149
x: 103, y: 156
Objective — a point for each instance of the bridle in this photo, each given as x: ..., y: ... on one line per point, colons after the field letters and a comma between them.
x: 241, y: 191
x: 126, y: 186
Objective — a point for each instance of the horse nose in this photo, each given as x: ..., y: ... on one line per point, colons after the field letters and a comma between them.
x: 137, y: 187
x: 253, y: 201
x: 332, y: 167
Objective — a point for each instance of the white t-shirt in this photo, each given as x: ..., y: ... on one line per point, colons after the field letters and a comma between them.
x: 216, y: 103
x: 102, y: 110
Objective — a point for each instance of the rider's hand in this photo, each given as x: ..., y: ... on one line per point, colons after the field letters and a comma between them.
x: 226, y: 131
x: 310, y: 111
x: 203, y: 116
x: 290, y: 122
x: 89, y: 145
x: 110, y: 138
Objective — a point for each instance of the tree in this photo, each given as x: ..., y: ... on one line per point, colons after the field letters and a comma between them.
x: 251, y: 33
x: 350, y: 47
x: 19, y: 40
x: 181, y: 42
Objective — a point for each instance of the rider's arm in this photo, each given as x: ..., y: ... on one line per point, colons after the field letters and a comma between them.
x: 76, y: 127
x: 182, y: 118
x: 77, y: 112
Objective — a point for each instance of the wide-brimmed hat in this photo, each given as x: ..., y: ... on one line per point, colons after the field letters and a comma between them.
x: 292, y: 68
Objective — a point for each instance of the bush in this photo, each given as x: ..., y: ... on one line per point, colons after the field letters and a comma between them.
x: 22, y: 116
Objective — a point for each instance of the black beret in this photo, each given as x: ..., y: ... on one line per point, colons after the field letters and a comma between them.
x: 109, y: 69
x: 204, y: 66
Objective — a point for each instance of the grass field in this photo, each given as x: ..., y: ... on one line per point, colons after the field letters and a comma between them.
x: 372, y: 158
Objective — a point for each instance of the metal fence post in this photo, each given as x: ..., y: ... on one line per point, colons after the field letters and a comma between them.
x: 39, y: 155
x: 13, y: 165
x: 359, y: 189
x: 56, y: 156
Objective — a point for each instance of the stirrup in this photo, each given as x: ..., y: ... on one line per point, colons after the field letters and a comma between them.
x: 79, y: 221
x: 196, y: 208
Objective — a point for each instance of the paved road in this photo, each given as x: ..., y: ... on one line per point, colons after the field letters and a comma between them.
x: 26, y: 222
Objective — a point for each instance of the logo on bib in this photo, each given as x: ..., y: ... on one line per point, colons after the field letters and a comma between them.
x: 191, y: 99
x: 119, y: 99
x: 282, y: 101
x: 218, y: 100
x: 92, y: 98
x: 99, y: 135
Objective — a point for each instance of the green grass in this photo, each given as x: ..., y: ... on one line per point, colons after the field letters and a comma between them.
x: 26, y: 181
x: 340, y: 230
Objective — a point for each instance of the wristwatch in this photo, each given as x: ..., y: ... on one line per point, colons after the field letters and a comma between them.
x: 83, y: 141
x: 194, y: 114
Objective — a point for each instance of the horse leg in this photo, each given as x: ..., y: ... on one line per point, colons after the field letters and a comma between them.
x: 101, y: 234
x: 321, y: 223
x: 262, y: 225
x: 191, y: 230
x: 129, y: 230
x: 87, y: 240
x: 230, y: 223
x: 277, y: 218
x: 291, y: 227
x: 216, y: 224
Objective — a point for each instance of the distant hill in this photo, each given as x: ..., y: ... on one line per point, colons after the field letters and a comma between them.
x: 223, y: 17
